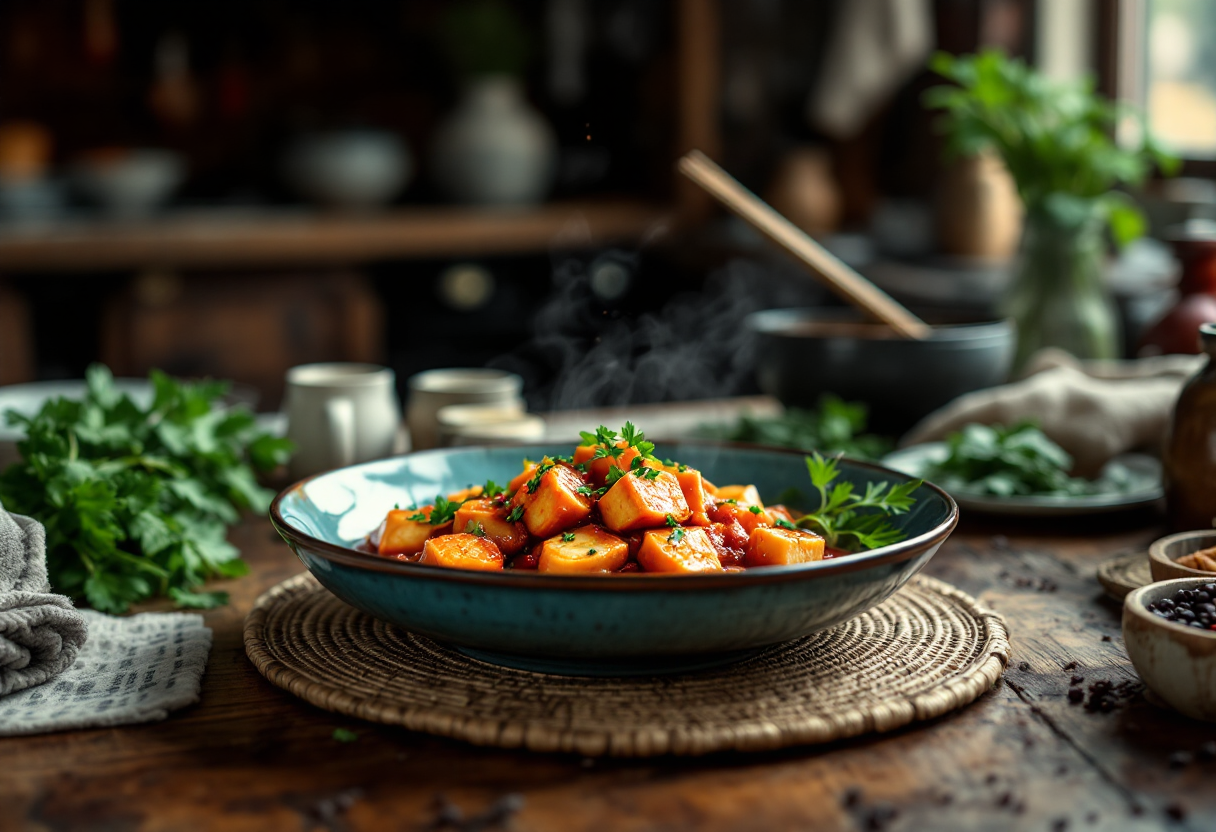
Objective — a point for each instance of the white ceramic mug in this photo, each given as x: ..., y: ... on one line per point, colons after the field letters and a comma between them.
x: 434, y: 389
x: 340, y: 414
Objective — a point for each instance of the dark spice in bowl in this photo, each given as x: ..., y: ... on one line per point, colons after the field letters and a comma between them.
x: 1191, y: 607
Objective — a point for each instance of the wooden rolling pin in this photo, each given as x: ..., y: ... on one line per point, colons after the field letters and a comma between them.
x: 839, y: 277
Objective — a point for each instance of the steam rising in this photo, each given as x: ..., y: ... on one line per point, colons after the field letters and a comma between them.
x: 695, y: 348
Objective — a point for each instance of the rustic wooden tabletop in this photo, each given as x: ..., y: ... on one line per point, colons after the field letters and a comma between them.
x: 250, y: 756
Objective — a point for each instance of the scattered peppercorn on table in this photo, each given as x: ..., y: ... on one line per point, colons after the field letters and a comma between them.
x: 1027, y: 755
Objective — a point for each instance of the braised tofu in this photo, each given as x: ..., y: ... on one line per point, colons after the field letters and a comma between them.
x: 470, y: 493
x: 681, y: 550
x: 400, y: 535
x: 584, y: 550
x: 642, y: 502
x: 750, y: 517
x: 598, y: 468
x: 698, y: 500
x: 522, y: 477
x: 744, y: 495
x: 462, y: 551
x: 777, y: 546
x: 561, y: 500
x: 491, y: 519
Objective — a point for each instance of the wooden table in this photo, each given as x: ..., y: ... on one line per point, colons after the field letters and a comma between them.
x: 251, y: 756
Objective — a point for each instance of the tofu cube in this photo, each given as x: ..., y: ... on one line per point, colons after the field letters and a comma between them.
x: 638, y: 502
x: 691, y: 551
x: 462, y: 551
x: 777, y: 546
x: 556, y: 504
x: 401, y: 536
x: 522, y: 477
x: 590, y: 549
x: 698, y: 500
x: 507, y: 536
x: 744, y: 495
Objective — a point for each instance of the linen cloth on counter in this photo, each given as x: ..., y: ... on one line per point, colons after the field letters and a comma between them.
x: 65, y: 668
x: 1095, y: 410
x: 132, y: 669
x: 40, y: 633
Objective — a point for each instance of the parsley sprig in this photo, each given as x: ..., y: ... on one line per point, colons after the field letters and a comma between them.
x: 442, y: 512
x: 136, y: 500
x: 850, y: 521
x: 473, y: 527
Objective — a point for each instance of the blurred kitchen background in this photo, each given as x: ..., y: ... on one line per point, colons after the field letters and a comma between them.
x: 233, y: 188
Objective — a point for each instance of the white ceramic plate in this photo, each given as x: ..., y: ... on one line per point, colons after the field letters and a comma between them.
x: 1143, y: 473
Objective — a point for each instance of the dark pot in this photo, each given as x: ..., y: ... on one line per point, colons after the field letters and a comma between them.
x: 804, y: 353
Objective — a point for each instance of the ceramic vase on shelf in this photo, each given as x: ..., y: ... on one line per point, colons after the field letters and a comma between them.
x: 494, y: 149
x: 979, y: 213
x: 1058, y: 297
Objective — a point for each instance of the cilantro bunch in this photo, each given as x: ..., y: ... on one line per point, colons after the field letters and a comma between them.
x: 850, y: 521
x: 136, y: 502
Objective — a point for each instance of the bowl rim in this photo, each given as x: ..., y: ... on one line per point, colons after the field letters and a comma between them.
x: 776, y: 322
x: 1157, y: 552
x: 895, y: 553
x: 1134, y: 605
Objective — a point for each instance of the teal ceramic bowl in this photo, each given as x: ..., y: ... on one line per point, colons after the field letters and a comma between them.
x: 595, y: 625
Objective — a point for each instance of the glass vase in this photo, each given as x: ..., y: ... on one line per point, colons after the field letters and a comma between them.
x: 1058, y: 297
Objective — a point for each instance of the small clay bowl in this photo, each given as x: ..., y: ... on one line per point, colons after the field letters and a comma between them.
x: 1163, y: 555
x: 1177, y: 662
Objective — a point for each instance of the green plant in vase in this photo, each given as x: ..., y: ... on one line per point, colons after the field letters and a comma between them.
x: 1057, y: 141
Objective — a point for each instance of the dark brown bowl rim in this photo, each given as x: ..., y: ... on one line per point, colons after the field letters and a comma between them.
x: 895, y: 553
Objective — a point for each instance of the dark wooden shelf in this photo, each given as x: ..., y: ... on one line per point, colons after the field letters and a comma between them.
x: 243, y: 239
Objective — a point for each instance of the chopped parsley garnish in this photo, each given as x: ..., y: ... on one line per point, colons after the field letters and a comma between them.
x: 345, y: 735
x: 608, y: 452
x: 636, y: 439
x: 755, y: 509
x: 568, y: 536
x: 614, y: 474
x: 785, y: 524
x: 677, y: 534
x: 396, y: 506
x: 492, y: 489
x: 590, y: 551
x: 646, y: 473
x: 516, y: 514
x: 672, y: 522
x: 475, y: 528
x: 541, y: 470
x: 679, y: 466
x: 585, y: 490
x: 581, y: 467
x: 731, y: 502
x: 443, y: 512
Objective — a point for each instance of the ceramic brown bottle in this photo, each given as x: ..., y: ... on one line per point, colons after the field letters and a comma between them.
x: 1190, y: 449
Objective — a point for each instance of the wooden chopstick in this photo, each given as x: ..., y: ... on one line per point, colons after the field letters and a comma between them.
x: 839, y: 277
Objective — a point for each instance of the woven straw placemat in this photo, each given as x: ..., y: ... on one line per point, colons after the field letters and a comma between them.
x: 1123, y: 573
x: 927, y: 650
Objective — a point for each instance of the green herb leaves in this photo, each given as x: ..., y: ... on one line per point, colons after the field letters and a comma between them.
x: 835, y: 426
x: 474, y: 528
x: 135, y: 501
x: 851, y: 522
x: 567, y: 537
x: 516, y: 514
x: 1056, y: 139
x: 1009, y: 461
